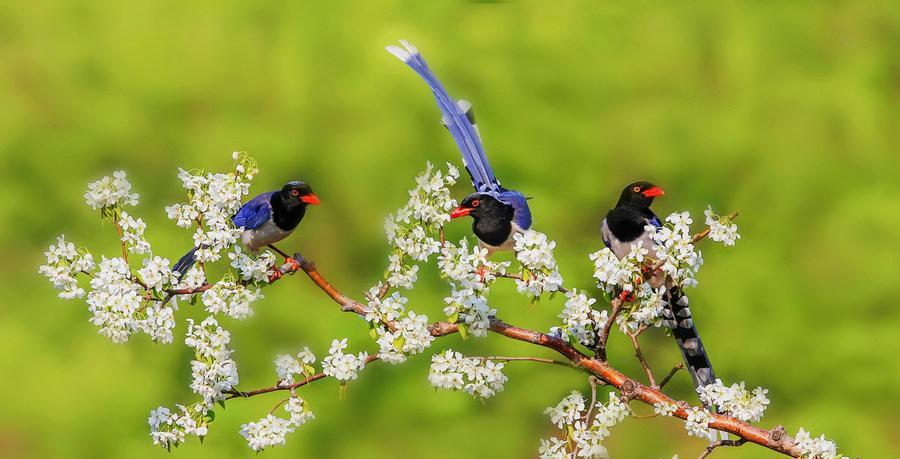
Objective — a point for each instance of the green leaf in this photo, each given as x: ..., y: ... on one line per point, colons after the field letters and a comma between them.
x: 342, y: 391
x: 399, y: 342
x: 463, y: 331
x: 454, y: 318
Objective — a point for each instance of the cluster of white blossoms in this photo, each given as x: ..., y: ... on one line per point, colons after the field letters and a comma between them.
x: 252, y: 268
x: 271, y: 430
x: 736, y: 400
x: 721, y: 229
x: 583, y: 437
x: 697, y: 423
x: 613, y: 274
x: 117, y: 302
x: 816, y: 448
x: 470, y: 275
x: 580, y: 320
x: 665, y: 409
x: 480, y: 377
x: 168, y: 428
x: 399, y: 333
x: 213, y: 199
x: 213, y: 371
x: 411, y: 336
x: 341, y: 366
x: 675, y: 249
x: 64, y: 262
x: 133, y: 234
x: 110, y: 193
x: 648, y: 310
x: 539, y: 271
x: 156, y: 274
x: 288, y: 366
x: 412, y: 228
x: 230, y: 298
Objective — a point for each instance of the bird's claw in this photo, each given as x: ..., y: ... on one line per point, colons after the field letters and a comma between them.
x: 276, y: 274
x: 481, y: 273
x: 294, y: 264
x: 626, y: 296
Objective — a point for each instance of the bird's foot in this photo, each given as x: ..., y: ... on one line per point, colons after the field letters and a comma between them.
x: 481, y: 273
x: 276, y: 274
x: 293, y: 263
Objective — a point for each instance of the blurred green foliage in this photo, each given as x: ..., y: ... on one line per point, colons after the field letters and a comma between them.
x: 786, y: 111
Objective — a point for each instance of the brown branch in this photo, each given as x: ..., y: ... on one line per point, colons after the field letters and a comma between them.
x: 616, y: 304
x: 640, y: 356
x: 774, y: 439
x: 709, y: 449
x: 234, y: 393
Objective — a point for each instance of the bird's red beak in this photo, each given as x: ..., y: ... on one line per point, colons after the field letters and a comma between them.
x: 310, y: 199
x: 653, y: 192
x: 461, y: 212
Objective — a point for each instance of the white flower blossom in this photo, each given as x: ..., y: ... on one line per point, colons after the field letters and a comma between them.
x: 580, y: 319
x: 110, y: 192
x: 299, y: 411
x: 231, y: 299
x: 674, y: 247
x: 736, y: 400
x: 156, y: 273
x: 114, y: 300
x: 341, y: 366
x: 133, y: 234
x: 267, y: 432
x: 213, y: 199
x: 213, y: 371
x: 535, y: 252
x: 64, y: 262
x: 568, y: 410
x: 697, y: 423
x: 554, y: 448
x: 252, y: 268
x: 411, y: 337
x: 169, y: 428
x: 665, y: 409
x: 479, y: 377
x: 287, y: 366
x: 816, y: 448
x: 721, y: 229
x: 380, y: 311
x: 612, y: 273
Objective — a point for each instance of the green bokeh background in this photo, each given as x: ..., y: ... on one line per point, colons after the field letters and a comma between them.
x: 786, y: 111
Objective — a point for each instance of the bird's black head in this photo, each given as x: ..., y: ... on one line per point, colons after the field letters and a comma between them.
x: 493, y: 219
x: 481, y: 205
x: 639, y: 195
x: 298, y: 194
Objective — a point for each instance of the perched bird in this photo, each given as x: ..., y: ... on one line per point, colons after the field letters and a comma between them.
x: 498, y: 213
x: 266, y: 219
x: 624, y: 226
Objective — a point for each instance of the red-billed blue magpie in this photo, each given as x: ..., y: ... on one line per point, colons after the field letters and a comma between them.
x: 266, y: 219
x: 624, y: 226
x: 497, y: 213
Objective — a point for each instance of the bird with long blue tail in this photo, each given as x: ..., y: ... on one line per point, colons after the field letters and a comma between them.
x: 498, y: 213
x: 266, y: 219
x: 632, y: 222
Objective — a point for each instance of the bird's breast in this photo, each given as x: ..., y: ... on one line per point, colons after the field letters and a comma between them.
x: 268, y: 233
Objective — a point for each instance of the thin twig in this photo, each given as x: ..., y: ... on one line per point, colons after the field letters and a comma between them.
x: 616, y: 304
x: 709, y: 449
x: 672, y: 372
x: 527, y: 359
x: 640, y: 356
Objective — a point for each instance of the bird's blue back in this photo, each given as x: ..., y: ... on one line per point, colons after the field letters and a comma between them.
x: 255, y: 212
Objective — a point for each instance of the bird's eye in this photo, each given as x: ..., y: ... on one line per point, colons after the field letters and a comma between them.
x: 637, y: 189
x: 295, y: 193
x: 476, y: 203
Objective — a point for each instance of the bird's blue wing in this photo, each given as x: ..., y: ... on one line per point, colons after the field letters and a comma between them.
x: 462, y: 130
x: 519, y: 203
x: 654, y: 220
x: 255, y: 212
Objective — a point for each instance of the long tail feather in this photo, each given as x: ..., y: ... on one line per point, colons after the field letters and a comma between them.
x: 185, y: 262
x: 461, y: 128
x: 678, y: 317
